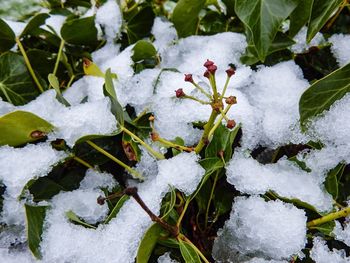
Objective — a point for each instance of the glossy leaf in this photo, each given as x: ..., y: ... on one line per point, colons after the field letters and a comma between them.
x: 16, y: 85
x: 54, y: 83
x: 143, y: 50
x: 116, y: 208
x: 90, y: 68
x: 185, y: 16
x: 140, y: 25
x: 322, y: 10
x: 148, y: 243
x: 35, y: 219
x: 7, y: 37
x: 74, y: 218
x: 20, y: 127
x: 34, y: 23
x: 222, y: 141
x: 80, y: 31
x: 188, y: 253
x: 323, y: 93
x: 263, y: 19
x: 109, y: 91
x: 331, y: 182
x: 300, y: 16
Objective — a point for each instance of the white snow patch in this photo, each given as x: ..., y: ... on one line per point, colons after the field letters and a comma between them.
x: 109, y: 17
x: 301, y: 45
x: 341, y: 48
x: 320, y: 253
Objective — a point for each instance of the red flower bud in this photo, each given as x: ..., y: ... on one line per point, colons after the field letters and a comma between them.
x: 212, y: 69
x: 231, y: 124
x: 188, y: 78
x: 231, y: 100
x: 101, y: 200
x: 180, y: 93
x: 230, y: 72
x: 206, y: 74
x: 208, y: 63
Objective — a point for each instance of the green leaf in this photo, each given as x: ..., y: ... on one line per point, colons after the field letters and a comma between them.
x: 74, y: 218
x: 34, y: 23
x: 148, y: 243
x: 54, y: 83
x: 323, y: 93
x: 326, y: 228
x: 322, y: 10
x: 7, y: 37
x: 96, y: 136
x: 300, y: 16
x: 35, y: 220
x: 109, y: 91
x: 140, y: 25
x: 331, y: 182
x: 185, y: 16
x: 169, y: 205
x: 188, y: 253
x: 116, y: 208
x: 262, y: 19
x: 20, y: 127
x: 143, y: 50
x: 80, y: 31
x: 16, y: 84
x: 222, y: 141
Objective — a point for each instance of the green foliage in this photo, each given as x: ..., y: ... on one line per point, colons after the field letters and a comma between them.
x: 148, y: 243
x: 145, y: 55
x: 116, y: 208
x: 321, y: 95
x: 140, y: 24
x: 16, y: 85
x: 185, y: 16
x: 188, y: 253
x: 20, y: 127
x: 263, y: 19
x: 7, y: 37
x: 75, y: 219
x: 80, y: 31
x: 35, y: 219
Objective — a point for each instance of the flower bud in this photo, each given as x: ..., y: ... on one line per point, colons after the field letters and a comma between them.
x: 206, y: 74
x: 101, y: 200
x: 208, y: 63
x: 231, y: 100
x: 212, y: 69
x: 180, y: 93
x: 188, y: 78
x: 154, y: 136
x: 230, y: 72
x: 231, y: 124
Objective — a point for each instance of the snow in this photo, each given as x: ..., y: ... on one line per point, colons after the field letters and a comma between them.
x: 342, y: 233
x: 109, y: 17
x: 73, y: 122
x: 320, y: 253
x: 18, y: 166
x: 340, y: 48
x: 166, y: 259
x: 284, y: 178
x: 17, y: 27
x: 162, y: 41
x: 94, y: 180
x: 126, y: 230
x: 301, y: 45
x: 272, y: 230
x: 54, y: 22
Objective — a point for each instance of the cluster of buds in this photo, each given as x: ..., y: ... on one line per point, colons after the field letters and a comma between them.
x: 215, y: 99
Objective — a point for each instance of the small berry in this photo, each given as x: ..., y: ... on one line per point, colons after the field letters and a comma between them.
x: 230, y: 72
x: 231, y: 100
x: 180, y: 93
x: 188, y: 78
x: 206, y: 74
x: 212, y: 69
x: 208, y: 63
x: 101, y: 200
x: 231, y: 124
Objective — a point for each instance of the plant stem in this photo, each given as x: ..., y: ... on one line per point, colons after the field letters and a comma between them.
x: 29, y: 66
x: 81, y: 161
x: 174, y: 145
x: 59, y: 54
x: 158, y: 155
x: 225, y: 87
x: 210, y: 198
x: 132, y: 191
x: 211, y: 132
x: 178, y: 223
x: 133, y: 172
x: 195, y: 99
x: 202, y: 90
x: 184, y: 238
x: 330, y: 217
x: 207, y: 127
x: 70, y: 81
x: 213, y: 85
x: 140, y: 116
x: 223, y: 114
